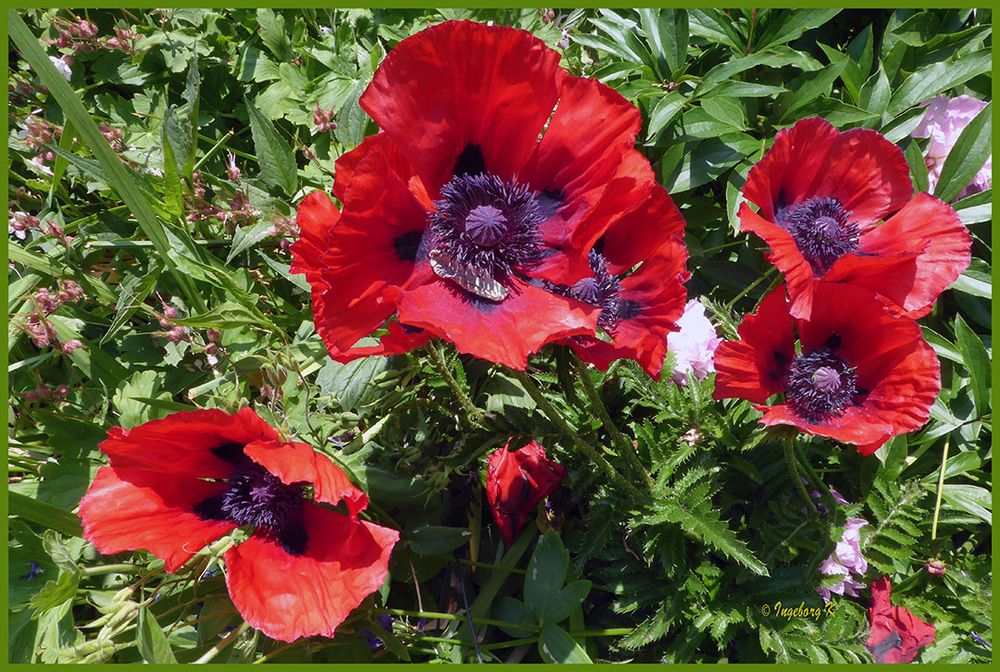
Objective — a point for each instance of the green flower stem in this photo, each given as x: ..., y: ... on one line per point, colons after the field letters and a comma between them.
x: 473, y: 415
x: 810, y: 472
x: 749, y: 288
x: 222, y: 644
x: 793, y: 470
x: 591, y: 452
x: 940, y: 490
x: 597, y: 406
x: 111, y: 569
x: 441, y: 616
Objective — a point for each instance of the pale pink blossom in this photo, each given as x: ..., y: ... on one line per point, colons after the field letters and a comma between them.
x: 846, y: 561
x: 62, y: 66
x: 944, y: 121
x: 693, y: 345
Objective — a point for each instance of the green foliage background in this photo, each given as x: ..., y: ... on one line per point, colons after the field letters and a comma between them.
x: 681, y: 574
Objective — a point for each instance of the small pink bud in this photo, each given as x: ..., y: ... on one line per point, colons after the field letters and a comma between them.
x: 935, y: 567
x: 212, y: 335
x: 69, y: 346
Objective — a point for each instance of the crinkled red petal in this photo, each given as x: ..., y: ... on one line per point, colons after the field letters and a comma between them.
x: 133, y: 509
x: 785, y: 255
x: 462, y: 83
x: 292, y: 596
x: 754, y: 367
x: 929, y: 228
x: 505, y: 332
x: 295, y: 462
x: 516, y: 482
x: 181, y: 443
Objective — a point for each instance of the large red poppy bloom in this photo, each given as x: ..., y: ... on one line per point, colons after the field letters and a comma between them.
x: 177, y: 484
x: 862, y: 374
x: 493, y: 177
x: 896, y: 634
x: 821, y: 195
x: 516, y: 482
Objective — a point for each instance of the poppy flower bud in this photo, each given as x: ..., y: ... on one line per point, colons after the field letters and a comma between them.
x: 516, y: 482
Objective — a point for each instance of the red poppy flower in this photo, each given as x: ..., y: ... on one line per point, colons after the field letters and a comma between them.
x: 516, y: 482
x: 177, y: 484
x: 861, y: 375
x: 896, y: 635
x: 494, y: 174
x: 821, y: 194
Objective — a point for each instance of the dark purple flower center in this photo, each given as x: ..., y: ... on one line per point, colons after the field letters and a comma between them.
x: 256, y: 497
x: 602, y: 290
x: 484, y: 229
x: 822, y: 231
x: 820, y: 385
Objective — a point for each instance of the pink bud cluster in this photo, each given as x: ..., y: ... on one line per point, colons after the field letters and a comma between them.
x: 20, y: 223
x: 46, y: 392
x: 81, y: 35
x: 46, y: 302
x: 323, y: 120
x: 173, y: 332
x: 240, y: 208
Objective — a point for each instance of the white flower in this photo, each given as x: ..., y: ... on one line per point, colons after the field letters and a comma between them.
x: 693, y: 345
x: 62, y: 66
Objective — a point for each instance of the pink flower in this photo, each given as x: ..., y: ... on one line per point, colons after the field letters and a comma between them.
x: 70, y: 291
x: 944, y: 121
x: 231, y: 168
x: 69, y: 346
x: 62, y: 66
x: 845, y: 561
x: 693, y: 346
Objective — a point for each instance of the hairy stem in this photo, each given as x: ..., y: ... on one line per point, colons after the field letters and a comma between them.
x: 590, y: 451
x: 624, y: 444
x: 940, y: 491
x: 473, y: 415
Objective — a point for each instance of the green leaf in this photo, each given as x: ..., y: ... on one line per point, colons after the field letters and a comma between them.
x: 704, y: 524
x: 715, y: 26
x: 556, y: 646
x: 808, y: 87
x: 875, y: 93
x: 247, y: 236
x: 792, y: 24
x: 977, y: 363
x: 142, y: 384
x: 511, y: 610
x: 228, y: 315
x: 663, y: 113
x: 273, y: 34
x: 132, y: 293
x: 151, y: 642
x: 667, y: 32
x: 275, y: 156
x: 546, y: 573
x: 349, y: 382
x: 437, y: 539
x: 44, y: 514
x: 918, y: 167
x: 934, y: 79
x: 969, y: 498
x: 969, y: 154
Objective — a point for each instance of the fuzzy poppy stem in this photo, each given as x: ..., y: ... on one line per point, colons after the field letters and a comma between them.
x: 810, y: 472
x: 940, y: 491
x: 590, y: 451
x: 473, y: 415
x: 793, y: 469
x: 221, y: 644
x: 597, y: 406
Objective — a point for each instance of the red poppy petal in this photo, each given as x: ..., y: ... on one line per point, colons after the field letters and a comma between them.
x: 648, y: 227
x: 857, y: 425
x: 786, y: 258
x: 131, y: 509
x: 347, y: 164
x: 581, y: 150
x: 570, y: 234
x: 298, y: 463
x: 369, y: 255
x: 891, y: 277
x: 866, y: 173
x: 600, y: 353
x: 797, y: 156
x: 291, y: 596
x: 896, y: 634
x: 754, y: 367
x: 397, y: 340
x: 181, y: 443
x: 931, y: 228
x: 860, y: 168
x: 317, y: 215
x: 505, y: 332
x: 460, y: 83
